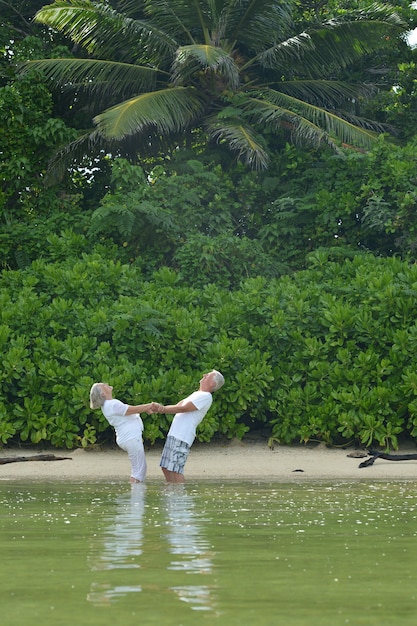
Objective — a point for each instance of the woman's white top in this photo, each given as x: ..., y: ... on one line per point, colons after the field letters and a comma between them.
x: 126, y: 426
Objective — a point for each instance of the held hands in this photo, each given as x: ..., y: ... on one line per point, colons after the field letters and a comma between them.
x: 154, y: 407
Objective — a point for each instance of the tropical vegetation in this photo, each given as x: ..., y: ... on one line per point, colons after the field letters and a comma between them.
x: 240, y: 72
x: 173, y: 249
x: 326, y: 354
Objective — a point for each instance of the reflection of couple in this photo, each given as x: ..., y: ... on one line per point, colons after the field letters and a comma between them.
x: 123, y: 547
x: 128, y: 425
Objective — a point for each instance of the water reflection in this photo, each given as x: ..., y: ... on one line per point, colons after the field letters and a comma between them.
x: 325, y: 554
x: 122, y: 545
x: 191, y: 552
x: 162, y: 527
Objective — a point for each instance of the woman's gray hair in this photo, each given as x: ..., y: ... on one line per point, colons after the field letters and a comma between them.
x: 96, y: 396
x: 218, y: 380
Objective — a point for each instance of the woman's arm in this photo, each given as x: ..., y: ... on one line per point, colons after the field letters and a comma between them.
x: 151, y: 407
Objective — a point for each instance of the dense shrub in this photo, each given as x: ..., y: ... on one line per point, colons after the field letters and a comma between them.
x: 328, y: 353
x: 222, y: 227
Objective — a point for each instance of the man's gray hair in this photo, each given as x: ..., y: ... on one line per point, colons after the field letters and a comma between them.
x: 96, y: 396
x: 218, y: 380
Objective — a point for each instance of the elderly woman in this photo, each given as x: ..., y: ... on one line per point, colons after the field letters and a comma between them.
x: 127, y: 423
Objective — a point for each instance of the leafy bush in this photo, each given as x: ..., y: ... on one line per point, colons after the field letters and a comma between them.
x: 326, y: 354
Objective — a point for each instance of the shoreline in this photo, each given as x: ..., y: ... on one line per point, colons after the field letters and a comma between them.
x: 234, y: 461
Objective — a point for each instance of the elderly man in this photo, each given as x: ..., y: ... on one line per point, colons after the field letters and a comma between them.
x: 188, y: 415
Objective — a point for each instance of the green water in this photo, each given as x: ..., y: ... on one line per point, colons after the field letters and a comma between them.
x: 255, y: 554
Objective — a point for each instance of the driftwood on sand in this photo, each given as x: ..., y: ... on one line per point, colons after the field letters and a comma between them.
x: 36, y: 457
x: 374, y: 455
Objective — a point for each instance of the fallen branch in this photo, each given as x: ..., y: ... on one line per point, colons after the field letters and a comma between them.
x: 37, y: 457
x: 387, y: 457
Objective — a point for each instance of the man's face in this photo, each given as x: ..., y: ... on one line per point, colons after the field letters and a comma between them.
x: 207, y: 382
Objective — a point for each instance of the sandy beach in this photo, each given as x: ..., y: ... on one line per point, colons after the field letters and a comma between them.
x: 234, y: 460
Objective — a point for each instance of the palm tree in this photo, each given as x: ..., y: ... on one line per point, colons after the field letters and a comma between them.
x: 240, y: 70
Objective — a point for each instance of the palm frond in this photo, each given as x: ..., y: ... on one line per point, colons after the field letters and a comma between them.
x: 259, y: 23
x: 166, y: 110
x: 309, y: 122
x: 342, y: 40
x: 377, y: 11
x: 346, y: 43
x: 183, y: 20
x: 103, y: 32
x: 240, y: 138
x: 173, y: 62
x: 196, y: 58
x: 283, y: 54
x: 91, y: 147
x: 104, y: 77
x: 90, y: 143
x: 324, y: 93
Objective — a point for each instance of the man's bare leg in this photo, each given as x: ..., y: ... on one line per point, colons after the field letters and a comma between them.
x: 173, y: 477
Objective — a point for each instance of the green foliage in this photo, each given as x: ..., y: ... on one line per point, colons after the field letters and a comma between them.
x: 195, y: 218
x: 327, y: 354
x: 389, y: 196
x: 400, y: 103
x: 223, y: 227
x: 243, y: 74
x: 348, y: 374
x: 29, y: 134
x: 363, y: 201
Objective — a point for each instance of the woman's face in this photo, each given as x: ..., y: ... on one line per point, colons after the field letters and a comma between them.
x: 106, y: 390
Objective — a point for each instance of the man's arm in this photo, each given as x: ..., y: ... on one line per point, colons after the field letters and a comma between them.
x: 177, y: 408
